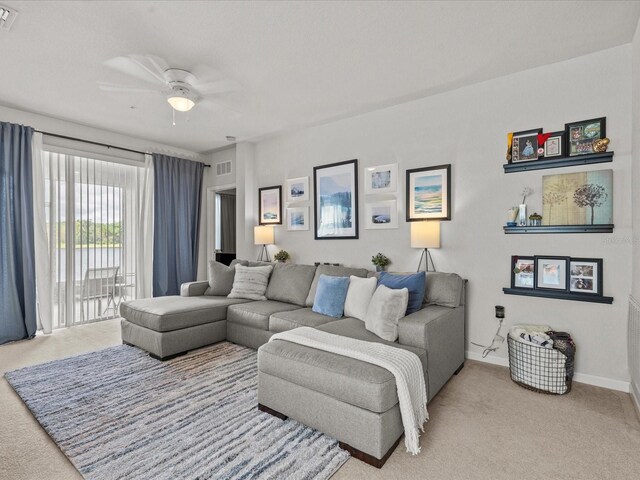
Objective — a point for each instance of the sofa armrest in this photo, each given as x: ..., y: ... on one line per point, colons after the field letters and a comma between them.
x: 193, y: 289
x: 439, y: 331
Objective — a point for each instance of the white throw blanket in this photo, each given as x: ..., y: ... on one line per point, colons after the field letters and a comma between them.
x: 404, y: 365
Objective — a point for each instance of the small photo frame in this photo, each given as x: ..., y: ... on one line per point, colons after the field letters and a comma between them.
x: 297, y: 189
x: 585, y: 276
x: 381, y: 215
x: 555, y: 145
x: 381, y: 179
x: 297, y: 218
x: 270, y: 202
x: 524, y: 146
x: 551, y: 273
x: 580, y: 135
x: 523, y: 271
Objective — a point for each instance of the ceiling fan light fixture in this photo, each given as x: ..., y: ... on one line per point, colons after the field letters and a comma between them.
x: 181, y: 99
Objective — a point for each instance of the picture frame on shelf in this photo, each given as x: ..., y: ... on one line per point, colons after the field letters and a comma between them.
x: 381, y: 215
x: 524, y: 146
x: 428, y: 193
x: 270, y: 205
x: 381, y: 179
x: 580, y: 135
x: 552, y: 273
x: 524, y: 278
x: 585, y: 276
x: 336, y: 201
x: 297, y: 189
x: 297, y: 218
x: 554, y: 146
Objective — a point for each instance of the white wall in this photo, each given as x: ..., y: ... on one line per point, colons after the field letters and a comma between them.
x: 467, y: 128
x: 636, y: 163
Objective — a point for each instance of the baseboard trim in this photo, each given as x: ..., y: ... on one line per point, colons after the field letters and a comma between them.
x: 634, y: 390
x: 577, y: 377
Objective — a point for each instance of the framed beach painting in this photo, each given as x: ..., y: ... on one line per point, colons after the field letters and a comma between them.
x: 381, y: 215
x: 270, y: 199
x: 297, y: 189
x: 297, y: 218
x: 381, y: 179
x: 336, y: 200
x: 429, y: 193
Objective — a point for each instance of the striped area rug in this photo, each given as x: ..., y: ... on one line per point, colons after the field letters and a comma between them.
x: 119, y: 414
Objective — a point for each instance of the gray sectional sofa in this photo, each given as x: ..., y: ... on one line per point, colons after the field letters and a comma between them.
x: 353, y: 401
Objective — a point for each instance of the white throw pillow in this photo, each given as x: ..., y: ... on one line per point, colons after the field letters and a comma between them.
x: 386, y: 308
x: 250, y: 282
x: 359, y: 296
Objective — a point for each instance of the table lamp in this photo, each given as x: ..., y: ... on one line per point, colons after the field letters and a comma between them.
x: 263, y: 235
x: 425, y: 235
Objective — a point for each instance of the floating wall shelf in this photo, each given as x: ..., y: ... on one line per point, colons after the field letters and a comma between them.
x: 608, y: 228
x: 577, y: 297
x: 558, y: 162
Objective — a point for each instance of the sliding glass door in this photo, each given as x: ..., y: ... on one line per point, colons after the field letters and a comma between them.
x: 92, y: 221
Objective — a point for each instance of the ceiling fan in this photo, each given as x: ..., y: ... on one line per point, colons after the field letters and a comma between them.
x: 182, y: 88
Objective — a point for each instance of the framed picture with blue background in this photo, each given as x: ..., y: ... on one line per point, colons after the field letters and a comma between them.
x: 336, y: 201
x: 429, y: 193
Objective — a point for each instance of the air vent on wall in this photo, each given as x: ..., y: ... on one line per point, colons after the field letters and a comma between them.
x: 223, y: 168
x: 7, y: 16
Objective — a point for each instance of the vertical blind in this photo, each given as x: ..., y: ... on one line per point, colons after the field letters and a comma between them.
x: 92, y: 216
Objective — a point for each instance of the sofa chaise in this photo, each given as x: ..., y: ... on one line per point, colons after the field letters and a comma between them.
x: 353, y: 401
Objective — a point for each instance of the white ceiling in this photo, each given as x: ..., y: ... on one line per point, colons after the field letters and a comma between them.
x: 299, y: 63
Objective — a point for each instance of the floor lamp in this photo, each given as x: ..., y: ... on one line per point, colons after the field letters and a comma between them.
x: 425, y: 235
x: 263, y: 235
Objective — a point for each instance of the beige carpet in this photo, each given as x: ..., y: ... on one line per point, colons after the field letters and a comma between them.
x: 482, y: 426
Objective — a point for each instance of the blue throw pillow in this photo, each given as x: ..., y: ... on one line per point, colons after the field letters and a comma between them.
x: 330, y: 295
x: 414, y: 282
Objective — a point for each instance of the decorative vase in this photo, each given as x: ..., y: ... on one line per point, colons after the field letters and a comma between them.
x: 522, y: 215
x: 380, y: 269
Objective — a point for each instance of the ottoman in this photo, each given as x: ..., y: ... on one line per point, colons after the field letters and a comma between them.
x: 170, y: 326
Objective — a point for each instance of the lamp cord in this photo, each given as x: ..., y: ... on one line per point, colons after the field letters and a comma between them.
x: 498, y: 340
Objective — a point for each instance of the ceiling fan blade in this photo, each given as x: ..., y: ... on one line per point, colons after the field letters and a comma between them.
x: 217, y: 87
x: 144, y: 67
x: 217, y: 104
x: 112, y: 87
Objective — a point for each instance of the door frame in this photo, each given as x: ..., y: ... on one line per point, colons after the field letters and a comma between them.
x: 211, y: 217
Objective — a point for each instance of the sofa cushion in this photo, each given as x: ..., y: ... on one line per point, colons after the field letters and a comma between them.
x: 346, y: 379
x: 414, y: 282
x: 305, y: 317
x: 386, y: 308
x: 251, y: 282
x: 444, y: 289
x: 330, y: 296
x: 359, y: 296
x: 221, y: 277
x: 164, y: 314
x: 290, y: 283
x: 256, y: 314
x: 333, y: 271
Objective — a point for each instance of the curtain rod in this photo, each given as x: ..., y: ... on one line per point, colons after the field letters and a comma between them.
x: 96, y: 143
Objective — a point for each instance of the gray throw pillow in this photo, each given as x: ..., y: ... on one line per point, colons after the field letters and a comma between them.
x: 387, y: 307
x: 290, y: 283
x: 221, y: 277
x: 251, y: 282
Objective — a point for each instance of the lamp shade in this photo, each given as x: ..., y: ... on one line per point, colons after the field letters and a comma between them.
x: 425, y: 234
x: 263, y: 235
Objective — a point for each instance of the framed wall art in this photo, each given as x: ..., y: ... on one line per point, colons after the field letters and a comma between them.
x: 428, y: 192
x: 297, y: 218
x: 522, y: 272
x: 585, y: 276
x: 524, y: 146
x: 554, y: 146
x: 381, y: 215
x: 297, y: 189
x: 270, y: 205
x: 551, y: 273
x: 584, y: 198
x: 580, y: 135
x: 336, y: 200
x: 381, y: 179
